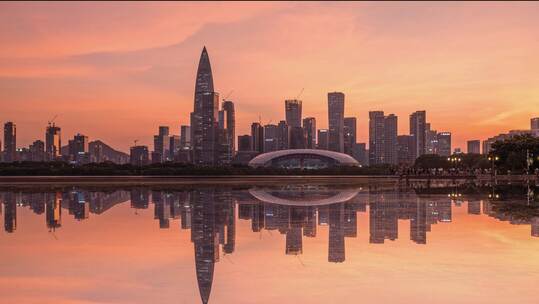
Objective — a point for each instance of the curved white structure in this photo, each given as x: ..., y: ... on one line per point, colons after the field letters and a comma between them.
x: 317, y: 199
x: 340, y: 159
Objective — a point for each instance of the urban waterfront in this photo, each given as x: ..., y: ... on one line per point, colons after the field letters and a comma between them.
x: 365, y: 240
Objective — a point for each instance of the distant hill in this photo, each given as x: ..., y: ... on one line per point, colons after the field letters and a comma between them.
x: 108, y: 153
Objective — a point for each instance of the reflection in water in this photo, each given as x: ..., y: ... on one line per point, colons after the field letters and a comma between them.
x: 294, y: 211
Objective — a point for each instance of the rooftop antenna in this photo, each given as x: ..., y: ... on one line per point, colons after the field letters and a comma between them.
x: 300, y: 92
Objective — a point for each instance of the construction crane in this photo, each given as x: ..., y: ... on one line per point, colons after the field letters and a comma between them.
x: 228, y: 95
x: 301, y: 92
x: 51, y: 122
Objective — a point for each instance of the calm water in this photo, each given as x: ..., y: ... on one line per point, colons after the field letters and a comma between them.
x: 365, y: 243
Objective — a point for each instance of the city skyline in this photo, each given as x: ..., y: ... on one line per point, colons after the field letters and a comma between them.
x: 145, y: 81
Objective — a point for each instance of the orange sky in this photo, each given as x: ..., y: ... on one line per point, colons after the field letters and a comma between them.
x: 116, y: 71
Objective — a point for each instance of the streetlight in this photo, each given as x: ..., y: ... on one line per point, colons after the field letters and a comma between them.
x: 492, y: 159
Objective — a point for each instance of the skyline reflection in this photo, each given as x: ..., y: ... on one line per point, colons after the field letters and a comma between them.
x: 294, y: 211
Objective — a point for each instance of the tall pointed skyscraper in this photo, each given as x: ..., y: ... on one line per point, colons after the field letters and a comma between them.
x: 204, y: 118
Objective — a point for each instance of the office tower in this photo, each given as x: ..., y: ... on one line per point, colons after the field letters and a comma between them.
x: 376, y: 137
x: 230, y: 117
x: 78, y: 149
x: 534, y: 126
x: 97, y: 153
x: 359, y: 152
x: 161, y: 143
x: 296, y: 138
x: 405, y: 144
x: 10, y: 142
x: 185, y: 137
x: 204, y: 116
x: 336, y: 121
x: 174, y: 146
x: 350, y: 134
x: 210, y: 120
x: 37, y: 151
x: 139, y: 156
x: 444, y: 143
x: 244, y: 143
x: 390, y: 139
x: 309, y: 127
x: 323, y: 139
x: 293, y: 112
x: 271, y: 140
x: 474, y: 147
x: 53, y: 142
x: 431, y: 140
x: 257, y: 137
x: 418, y: 122
x: 283, y: 135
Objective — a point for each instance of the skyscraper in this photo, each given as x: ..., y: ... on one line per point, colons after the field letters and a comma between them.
x: 37, y: 151
x: 405, y: 144
x: 10, y: 142
x: 418, y: 122
x: 309, y: 127
x: 444, y: 143
x: 336, y: 121
x: 257, y: 137
x: 534, y: 126
x: 390, y: 139
x: 296, y: 139
x: 350, y: 134
x: 474, y: 146
x: 431, y: 140
x: 293, y: 112
x: 53, y: 142
x: 376, y: 137
x: 271, y: 141
x: 204, y: 116
x: 323, y: 139
x: 230, y: 117
x: 139, y: 156
x: 185, y: 137
x: 161, y: 143
x: 283, y: 135
x: 244, y: 143
x: 78, y: 148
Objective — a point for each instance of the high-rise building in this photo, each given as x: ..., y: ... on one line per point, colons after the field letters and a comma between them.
x: 139, y: 156
x: 210, y: 124
x: 296, y: 138
x: 474, y: 147
x: 390, y: 139
x: 257, y: 137
x: 309, y: 127
x: 418, y: 122
x: 244, y: 143
x: 359, y: 152
x: 10, y: 142
x: 431, y: 140
x: 336, y: 121
x: 37, y: 151
x: 293, y: 112
x: 53, y: 142
x: 204, y: 116
x: 174, y: 146
x: 350, y: 134
x: 534, y: 126
x: 405, y: 144
x: 444, y: 144
x: 282, y: 135
x: 230, y: 117
x: 161, y: 144
x: 376, y: 137
x: 79, y: 149
x: 323, y: 139
x: 185, y: 137
x: 271, y: 141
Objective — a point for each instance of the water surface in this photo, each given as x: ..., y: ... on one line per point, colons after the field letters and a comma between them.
x: 294, y: 243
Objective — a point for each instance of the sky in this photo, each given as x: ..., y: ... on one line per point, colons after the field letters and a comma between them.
x: 117, y: 71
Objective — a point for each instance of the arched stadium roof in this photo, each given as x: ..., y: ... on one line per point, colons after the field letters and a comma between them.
x: 341, y: 158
